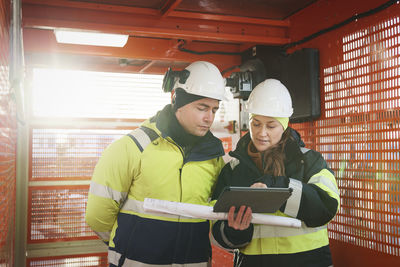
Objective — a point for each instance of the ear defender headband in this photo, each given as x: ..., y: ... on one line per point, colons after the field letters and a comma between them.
x: 182, y: 98
x: 172, y: 76
x: 284, y: 121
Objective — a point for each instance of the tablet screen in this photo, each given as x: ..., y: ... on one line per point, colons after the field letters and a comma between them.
x: 261, y: 200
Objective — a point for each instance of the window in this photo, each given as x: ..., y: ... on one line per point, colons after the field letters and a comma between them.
x: 89, y: 94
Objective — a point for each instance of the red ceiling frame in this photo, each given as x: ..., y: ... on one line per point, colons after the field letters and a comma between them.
x: 166, y: 10
x: 38, y: 16
x: 169, y: 7
x: 228, y: 18
x: 154, y: 34
x: 94, y: 6
x: 43, y: 41
x: 146, y: 67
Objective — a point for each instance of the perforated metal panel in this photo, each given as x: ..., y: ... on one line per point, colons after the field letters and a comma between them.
x: 7, y: 145
x: 359, y: 137
x: 57, y: 213
x: 68, y: 154
x: 307, y: 133
x: 70, y: 261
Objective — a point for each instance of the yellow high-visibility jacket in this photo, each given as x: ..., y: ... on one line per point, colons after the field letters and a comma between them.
x: 148, y: 164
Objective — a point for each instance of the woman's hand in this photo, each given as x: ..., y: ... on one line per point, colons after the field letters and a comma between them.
x: 242, y: 219
x: 260, y: 185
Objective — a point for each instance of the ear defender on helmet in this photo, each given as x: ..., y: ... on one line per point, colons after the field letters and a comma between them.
x: 171, y: 77
x: 199, y: 78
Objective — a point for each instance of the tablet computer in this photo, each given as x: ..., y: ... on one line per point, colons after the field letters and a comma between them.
x: 261, y: 200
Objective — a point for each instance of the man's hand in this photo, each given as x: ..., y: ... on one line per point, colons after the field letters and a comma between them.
x: 242, y: 219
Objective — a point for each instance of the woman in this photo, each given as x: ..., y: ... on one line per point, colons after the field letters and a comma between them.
x: 273, y: 155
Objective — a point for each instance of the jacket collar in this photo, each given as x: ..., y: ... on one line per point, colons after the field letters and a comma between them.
x: 241, y: 153
x: 204, y: 148
x: 292, y: 149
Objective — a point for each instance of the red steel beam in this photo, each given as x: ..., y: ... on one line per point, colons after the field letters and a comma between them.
x: 145, y: 68
x: 165, y: 11
x: 169, y: 7
x: 104, y: 67
x: 324, y: 14
x: 37, y: 16
x: 227, y: 18
x: 94, y: 6
x: 43, y: 41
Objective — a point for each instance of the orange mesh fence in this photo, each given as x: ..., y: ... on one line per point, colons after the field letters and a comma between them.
x: 359, y: 136
x: 68, y: 154
x: 57, y: 213
x: 307, y: 132
x: 87, y: 260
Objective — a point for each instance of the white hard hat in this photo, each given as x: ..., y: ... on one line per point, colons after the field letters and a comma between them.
x: 204, y: 79
x: 270, y: 98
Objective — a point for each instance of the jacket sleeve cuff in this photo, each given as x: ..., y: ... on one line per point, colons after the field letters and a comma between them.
x: 237, y: 238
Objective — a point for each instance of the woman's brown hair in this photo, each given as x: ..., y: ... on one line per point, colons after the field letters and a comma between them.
x: 274, y: 157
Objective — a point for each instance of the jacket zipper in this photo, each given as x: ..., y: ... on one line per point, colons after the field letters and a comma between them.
x: 180, y: 169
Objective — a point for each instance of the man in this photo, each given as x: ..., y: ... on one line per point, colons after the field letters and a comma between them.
x: 172, y: 156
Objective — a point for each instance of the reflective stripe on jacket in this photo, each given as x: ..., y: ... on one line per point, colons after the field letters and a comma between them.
x: 144, y: 164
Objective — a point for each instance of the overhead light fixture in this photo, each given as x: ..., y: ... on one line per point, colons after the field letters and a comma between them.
x: 90, y: 38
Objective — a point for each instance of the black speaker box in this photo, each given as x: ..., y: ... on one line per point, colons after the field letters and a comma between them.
x: 298, y: 71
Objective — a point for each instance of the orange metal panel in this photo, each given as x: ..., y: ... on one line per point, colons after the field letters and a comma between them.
x: 360, y: 256
x: 221, y: 257
x: 324, y: 14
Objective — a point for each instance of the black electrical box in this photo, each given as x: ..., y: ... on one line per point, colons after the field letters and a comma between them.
x: 298, y: 71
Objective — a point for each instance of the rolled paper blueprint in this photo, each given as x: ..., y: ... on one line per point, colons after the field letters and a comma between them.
x: 206, y: 212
